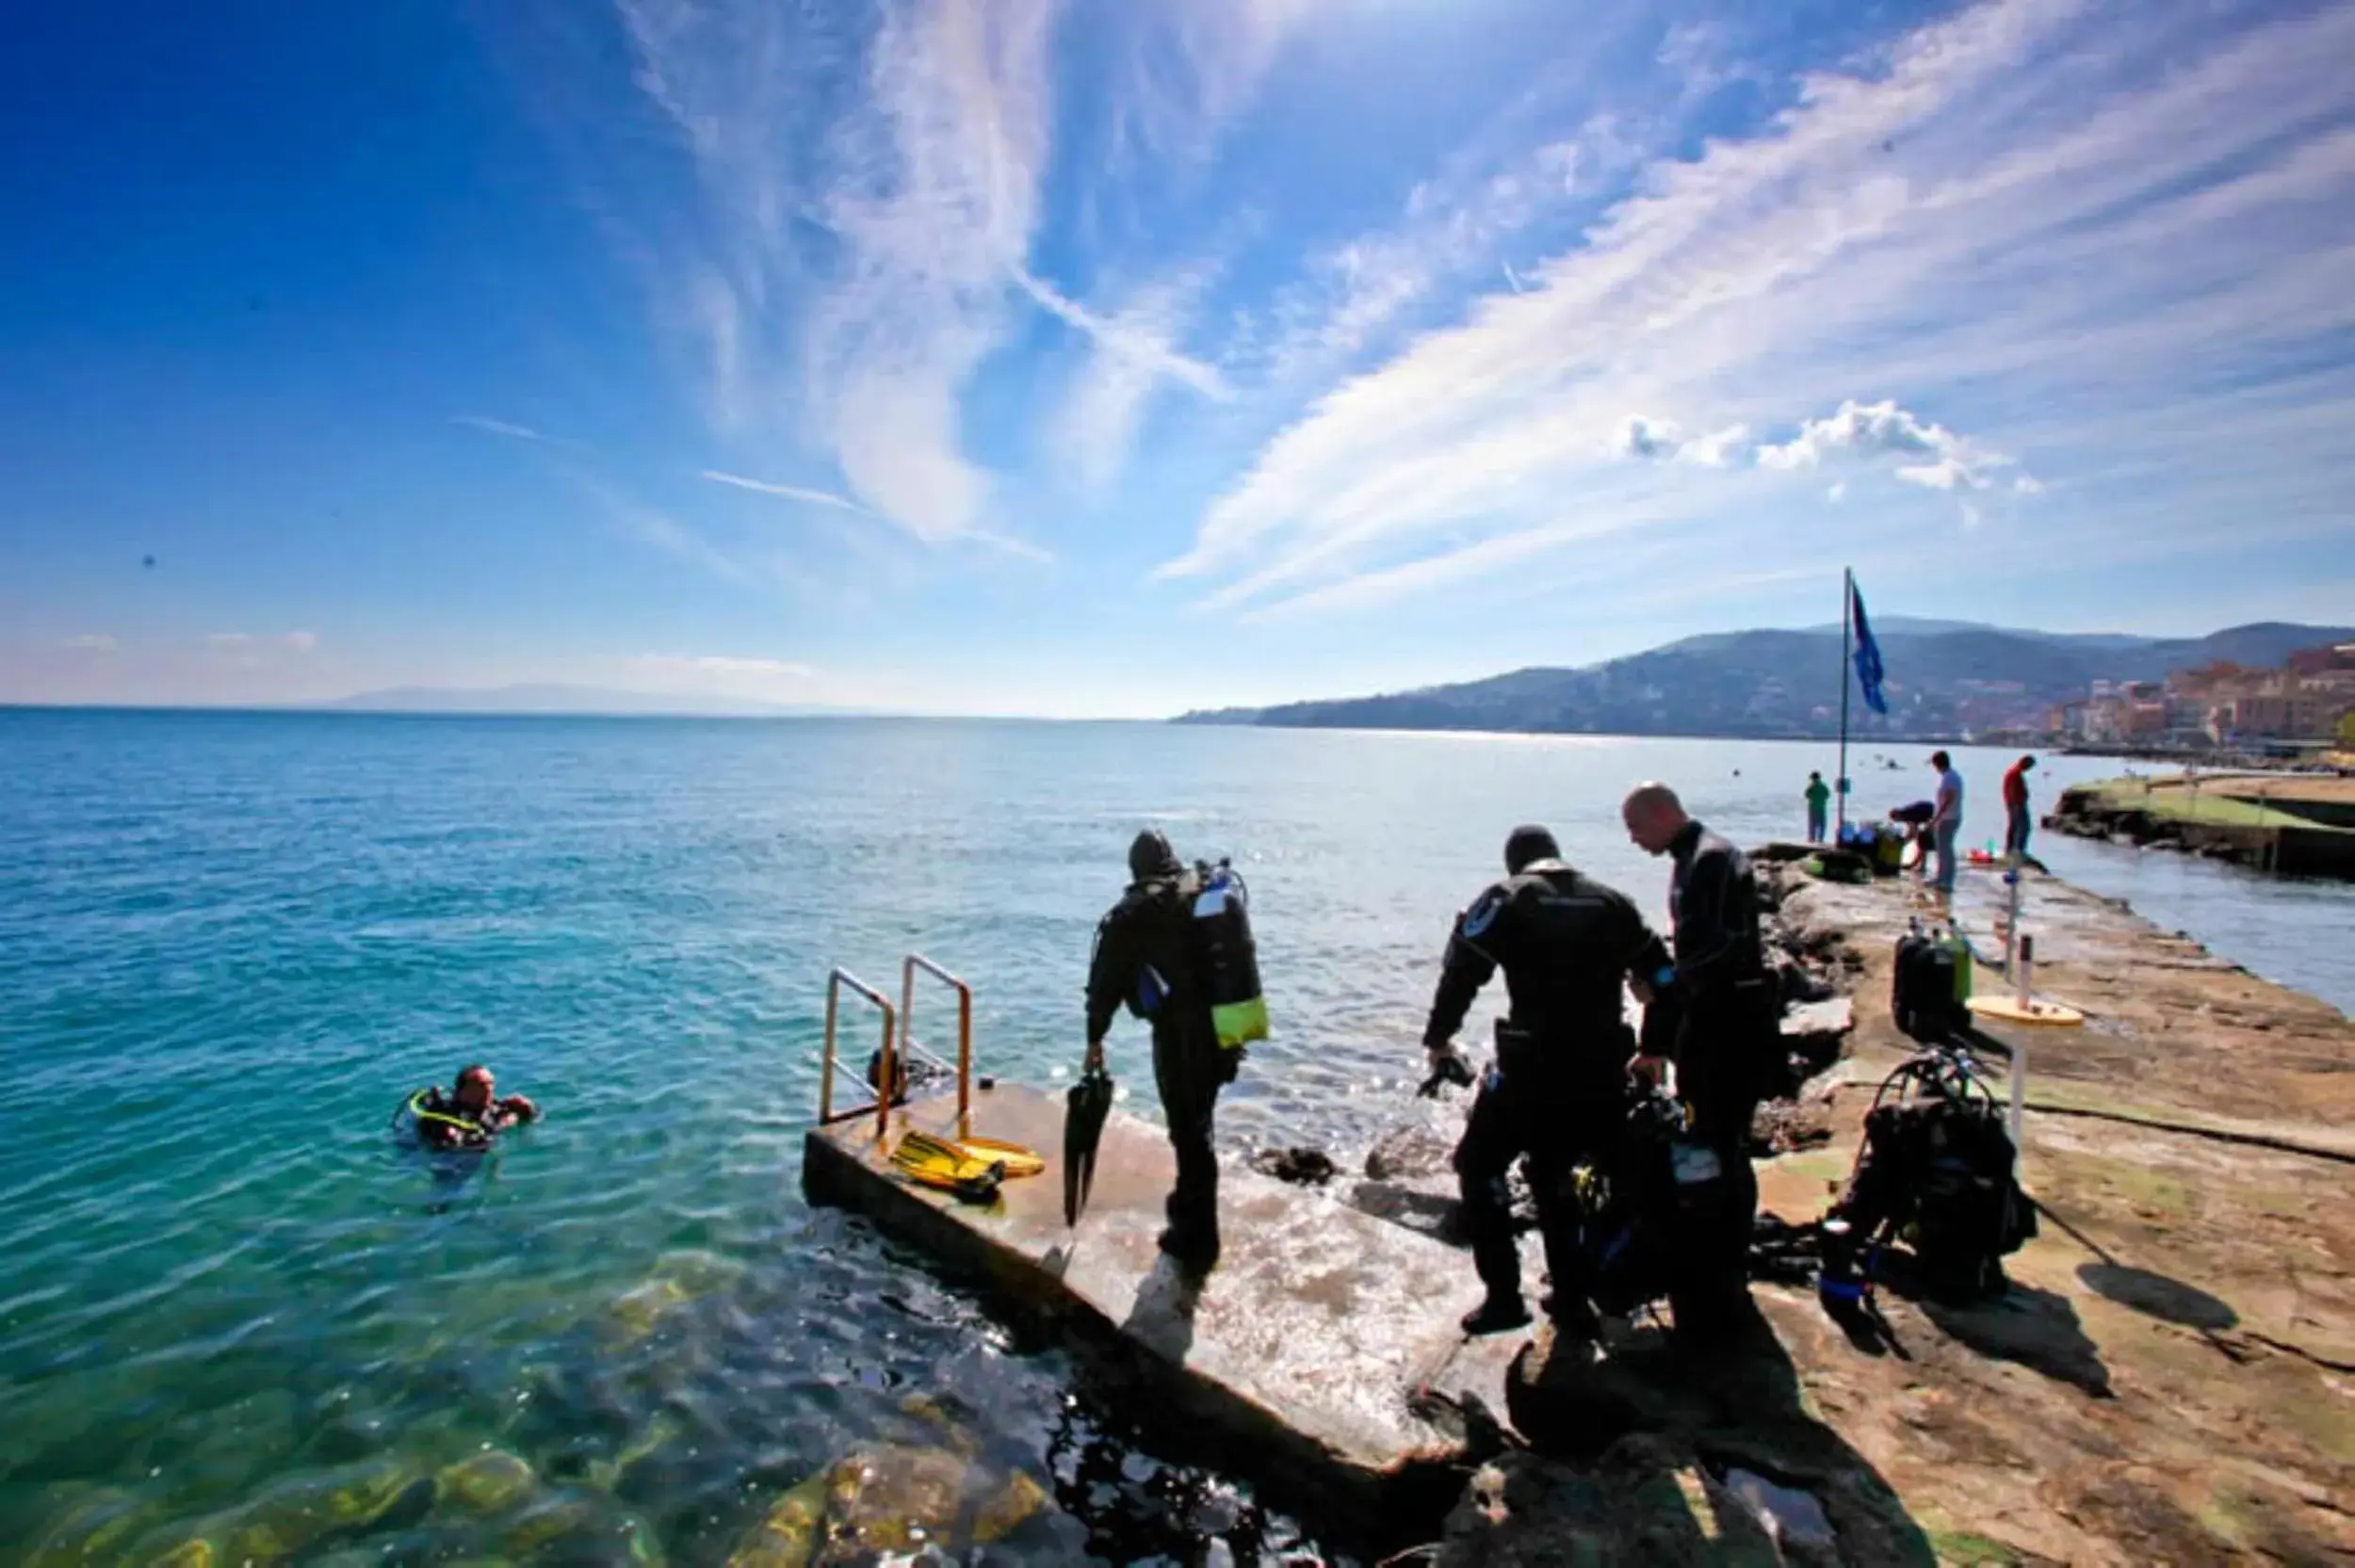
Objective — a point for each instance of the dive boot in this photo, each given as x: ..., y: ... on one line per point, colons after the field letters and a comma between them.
x: 1197, y: 1254
x: 1497, y: 1314
x: 1572, y: 1318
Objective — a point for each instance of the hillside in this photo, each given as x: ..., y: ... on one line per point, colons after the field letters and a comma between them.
x: 1943, y: 679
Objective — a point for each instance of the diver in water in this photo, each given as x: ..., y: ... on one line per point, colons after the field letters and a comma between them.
x: 471, y: 1114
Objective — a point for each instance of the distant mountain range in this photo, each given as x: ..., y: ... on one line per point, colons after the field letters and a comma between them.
x: 574, y: 699
x: 1945, y: 678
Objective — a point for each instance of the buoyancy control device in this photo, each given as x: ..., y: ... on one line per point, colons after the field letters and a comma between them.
x: 1935, y: 1175
x: 1225, y: 956
x: 1645, y: 1213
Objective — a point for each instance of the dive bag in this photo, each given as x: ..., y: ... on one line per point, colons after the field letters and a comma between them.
x: 1227, y: 959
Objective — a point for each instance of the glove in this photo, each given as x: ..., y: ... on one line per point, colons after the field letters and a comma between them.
x: 1448, y: 1065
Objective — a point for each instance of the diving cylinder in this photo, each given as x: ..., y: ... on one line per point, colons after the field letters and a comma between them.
x: 1231, y: 962
x: 1958, y: 947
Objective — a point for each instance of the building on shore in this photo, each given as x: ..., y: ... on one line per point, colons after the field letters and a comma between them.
x: 2219, y: 704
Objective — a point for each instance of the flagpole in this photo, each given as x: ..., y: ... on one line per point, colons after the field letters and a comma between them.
x: 1847, y: 638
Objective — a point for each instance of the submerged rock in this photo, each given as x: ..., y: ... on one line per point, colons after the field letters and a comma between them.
x: 90, y: 1528
x: 607, y: 1474
x: 189, y: 1554
x: 487, y: 1483
x: 789, y: 1536
x: 289, y: 1518
x: 548, y: 1520
x: 636, y: 1311
x: 887, y: 1499
x: 679, y: 1276
x: 1406, y: 1152
x: 931, y: 1411
x: 1007, y: 1508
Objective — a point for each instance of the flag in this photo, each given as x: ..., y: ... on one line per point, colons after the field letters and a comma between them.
x: 1868, y: 654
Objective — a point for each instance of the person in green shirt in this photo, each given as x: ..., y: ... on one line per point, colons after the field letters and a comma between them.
x: 1818, y: 796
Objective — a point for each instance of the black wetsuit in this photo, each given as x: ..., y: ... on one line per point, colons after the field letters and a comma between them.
x: 1145, y: 959
x: 1558, y: 1092
x: 1725, y: 1030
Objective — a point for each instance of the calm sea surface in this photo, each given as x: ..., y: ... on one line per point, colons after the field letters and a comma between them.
x: 232, y: 1308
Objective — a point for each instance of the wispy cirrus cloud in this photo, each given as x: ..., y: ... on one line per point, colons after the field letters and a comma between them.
x: 1997, y: 220
x: 788, y: 492
x: 90, y: 643
x: 499, y: 427
x: 861, y: 210
x: 726, y: 664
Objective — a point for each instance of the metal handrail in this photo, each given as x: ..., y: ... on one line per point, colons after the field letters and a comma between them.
x: 965, y: 1027
x: 836, y: 980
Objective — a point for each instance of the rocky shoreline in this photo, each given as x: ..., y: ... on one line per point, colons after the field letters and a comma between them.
x: 2293, y: 824
x: 2171, y: 1376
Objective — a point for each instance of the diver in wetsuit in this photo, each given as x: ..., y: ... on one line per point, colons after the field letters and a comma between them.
x: 1721, y: 1017
x: 1557, y: 1091
x: 471, y: 1114
x: 1145, y: 960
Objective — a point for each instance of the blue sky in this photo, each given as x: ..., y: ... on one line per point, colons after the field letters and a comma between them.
x: 1082, y: 359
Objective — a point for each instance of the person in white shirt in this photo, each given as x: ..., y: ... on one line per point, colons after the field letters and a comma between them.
x: 1947, y: 823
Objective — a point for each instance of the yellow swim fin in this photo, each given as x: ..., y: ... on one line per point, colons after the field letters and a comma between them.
x: 1017, y: 1160
x: 933, y: 1162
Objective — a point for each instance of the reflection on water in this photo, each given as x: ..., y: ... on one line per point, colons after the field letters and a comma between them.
x: 234, y: 1311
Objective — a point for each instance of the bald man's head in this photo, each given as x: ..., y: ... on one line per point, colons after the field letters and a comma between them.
x: 1654, y: 816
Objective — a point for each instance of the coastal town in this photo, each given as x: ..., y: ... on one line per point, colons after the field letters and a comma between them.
x: 2303, y: 707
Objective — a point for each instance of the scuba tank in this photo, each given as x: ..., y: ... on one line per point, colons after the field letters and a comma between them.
x: 1930, y: 983
x: 1228, y: 960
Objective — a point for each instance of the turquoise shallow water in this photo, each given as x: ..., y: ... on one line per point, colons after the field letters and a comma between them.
x: 233, y: 1309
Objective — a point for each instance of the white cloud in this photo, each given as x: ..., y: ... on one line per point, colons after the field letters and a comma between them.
x: 2000, y: 218
x: 1131, y: 357
x: 1863, y: 427
x: 1192, y: 67
x: 301, y: 642
x: 1718, y: 449
x: 230, y: 639
x: 1449, y: 230
x: 724, y: 664
x: 1838, y: 493
x: 499, y: 426
x: 863, y: 215
x: 90, y: 643
x: 1139, y: 335
x: 789, y: 493
x: 1649, y: 438
x: 1664, y: 439
x: 1866, y: 430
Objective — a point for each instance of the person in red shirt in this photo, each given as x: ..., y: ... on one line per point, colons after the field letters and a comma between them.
x: 2016, y: 807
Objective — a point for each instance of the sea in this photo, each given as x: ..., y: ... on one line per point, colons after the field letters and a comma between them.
x: 234, y: 1308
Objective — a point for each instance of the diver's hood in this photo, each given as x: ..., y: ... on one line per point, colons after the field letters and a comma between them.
x: 1150, y: 857
x: 1526, y: 847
